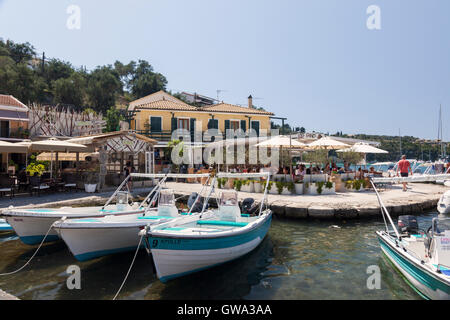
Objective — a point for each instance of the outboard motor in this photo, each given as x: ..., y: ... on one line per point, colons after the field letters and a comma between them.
x: 408, y: 224
x: 198, y: 205
x: 249, y: 206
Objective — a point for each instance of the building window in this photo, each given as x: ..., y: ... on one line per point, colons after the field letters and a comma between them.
x: 4, y: 129
x: 235, y: 124
x: 183, y: 124
x: 155, y: 124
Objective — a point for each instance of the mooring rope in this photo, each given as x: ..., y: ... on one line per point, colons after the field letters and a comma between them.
x: 131, y: 266
x: 42, y: 242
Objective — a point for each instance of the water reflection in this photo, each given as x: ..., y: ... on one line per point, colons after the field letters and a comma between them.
x: 298, y: 260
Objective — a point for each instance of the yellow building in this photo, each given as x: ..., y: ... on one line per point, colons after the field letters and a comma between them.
x: 158, y: 114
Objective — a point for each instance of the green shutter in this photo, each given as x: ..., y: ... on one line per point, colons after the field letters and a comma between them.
x: 210, y: 123
x: 227, y: 125
x: 255, y: 126
x: 243, y: 125
x: 174, y: 124
x: 192, y: 125
x: 155, y: 124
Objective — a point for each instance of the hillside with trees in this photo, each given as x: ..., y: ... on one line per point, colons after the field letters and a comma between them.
x: 34, y: 80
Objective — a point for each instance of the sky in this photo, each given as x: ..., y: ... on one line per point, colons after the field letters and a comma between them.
x: 314, y: 62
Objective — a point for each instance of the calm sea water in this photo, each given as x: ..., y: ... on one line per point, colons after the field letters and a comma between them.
x: 297, y: 260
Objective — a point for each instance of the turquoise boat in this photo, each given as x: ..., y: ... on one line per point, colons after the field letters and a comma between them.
x: 421, y: 256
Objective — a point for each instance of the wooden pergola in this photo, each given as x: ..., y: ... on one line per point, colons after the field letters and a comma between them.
x: 117, y: 148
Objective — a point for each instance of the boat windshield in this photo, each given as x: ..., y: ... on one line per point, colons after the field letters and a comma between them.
x: 228, y: 199
x: 122, y: 197
x: 166, y: 198
x: 441, y: 226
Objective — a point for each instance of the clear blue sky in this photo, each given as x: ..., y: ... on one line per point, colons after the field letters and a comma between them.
x: 314, y: 62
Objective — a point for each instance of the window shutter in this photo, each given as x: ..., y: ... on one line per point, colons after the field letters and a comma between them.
x: 255, y: 126
x: 174, y: 124
x: 192, y: 125
x: 227, y: 125
x: 243, y: 125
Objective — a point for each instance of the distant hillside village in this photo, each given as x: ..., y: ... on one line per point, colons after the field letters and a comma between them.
x: 48, y: 97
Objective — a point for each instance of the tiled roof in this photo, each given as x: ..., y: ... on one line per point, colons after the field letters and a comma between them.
x: 230, y: 108
x: 6, y: 100
x: 157, y: 96
x: 167, y: 105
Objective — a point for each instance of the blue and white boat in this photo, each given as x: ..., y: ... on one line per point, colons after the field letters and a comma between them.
x: 4, y: 226
x: 95, y: 237
x: 422, y: 257
x: 208, y: 239
x: 35, y: 225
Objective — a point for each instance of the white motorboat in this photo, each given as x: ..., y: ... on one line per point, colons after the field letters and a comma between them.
x: 208, y: 239
x: 422, y: 257
x: 95, y: 237
x: 34, y: 225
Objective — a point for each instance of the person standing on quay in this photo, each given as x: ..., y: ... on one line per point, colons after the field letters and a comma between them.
x: 404, y: 167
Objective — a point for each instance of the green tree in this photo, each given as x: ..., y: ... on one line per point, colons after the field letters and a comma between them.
x: 70, y: 90
x: 113, y: 120
x: 103, y: 86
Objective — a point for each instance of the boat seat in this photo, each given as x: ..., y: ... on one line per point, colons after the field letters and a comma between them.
x: 222, y: 223
x: 155, y: 217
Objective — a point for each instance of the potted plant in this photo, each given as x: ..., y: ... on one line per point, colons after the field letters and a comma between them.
x: 258, y: 186
x: 289, y: 188
x: 349, y: 185
x: 35, y: 168
x: 91, y: 182
x: 319, y: 186
x: 271, y: 188
x: 329, y: 188
x: 298, y: 187
x: 357, y: 185
x: 247, y: 186
x: 221, y: 183
x: 237, y: 184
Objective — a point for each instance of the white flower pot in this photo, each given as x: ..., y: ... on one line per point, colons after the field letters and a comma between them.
x: 285, y: 191
x: 90, y: 187
x: 298, y: 188
x: 274, y: 189
x: 325, y: 190
x: 257, y: 187
x: 248, y: 188
x: 312, y: 189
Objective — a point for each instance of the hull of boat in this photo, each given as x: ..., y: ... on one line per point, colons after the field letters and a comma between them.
x: 31, y: 225
x: 91, y: 243
x: 420, y: 278
x: 178, y: 256
x: 32, y: 230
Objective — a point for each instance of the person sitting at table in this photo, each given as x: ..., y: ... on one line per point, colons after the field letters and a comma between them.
x: 346, y: 167
x: 359, y: 174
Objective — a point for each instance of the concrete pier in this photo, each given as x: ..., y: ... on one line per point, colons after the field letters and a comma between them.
x: 420, y: 197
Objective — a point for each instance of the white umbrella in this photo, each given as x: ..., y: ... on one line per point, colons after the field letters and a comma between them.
x: 9, y: 147
x: 327, y: 143
x: 53, y: 145
x: 282, y: 142
x: 361, y: 147
x: 365, y: 148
